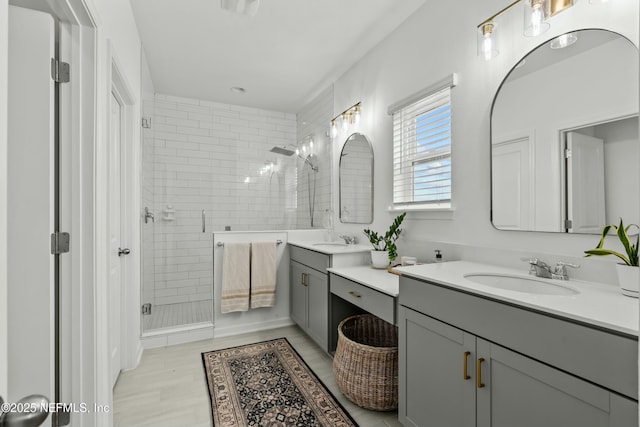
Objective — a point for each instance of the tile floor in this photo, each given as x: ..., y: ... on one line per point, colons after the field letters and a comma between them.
x: 169, y: 388
x: 171, y: 315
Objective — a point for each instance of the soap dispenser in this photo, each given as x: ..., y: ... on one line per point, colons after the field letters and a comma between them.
x: 438, y: 255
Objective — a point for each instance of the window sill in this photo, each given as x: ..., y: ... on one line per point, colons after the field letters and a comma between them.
x: 443, y: 211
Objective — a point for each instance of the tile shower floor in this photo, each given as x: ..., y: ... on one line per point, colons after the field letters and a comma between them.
x: 169, y: 387
x: 172, y: 315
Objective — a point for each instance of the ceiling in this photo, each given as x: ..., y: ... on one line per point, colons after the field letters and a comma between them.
x: 283, y: 56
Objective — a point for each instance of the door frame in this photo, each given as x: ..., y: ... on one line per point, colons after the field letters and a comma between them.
x: 79, y: 45
x: 131, y: 345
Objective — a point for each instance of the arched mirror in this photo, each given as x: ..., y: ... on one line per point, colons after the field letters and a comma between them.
x: 564, y: 137
x: 356, y: 180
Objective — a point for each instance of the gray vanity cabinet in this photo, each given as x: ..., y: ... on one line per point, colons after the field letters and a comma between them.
x: 433, y: 391
x: 521, y: 391
x: 468, y: 361
x: 309, y: 294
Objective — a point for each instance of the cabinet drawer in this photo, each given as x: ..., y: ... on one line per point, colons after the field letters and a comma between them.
x: 312, y: 259
x: 376, y: 303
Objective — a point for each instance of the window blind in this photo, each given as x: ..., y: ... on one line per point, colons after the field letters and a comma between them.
x: 422, y: 150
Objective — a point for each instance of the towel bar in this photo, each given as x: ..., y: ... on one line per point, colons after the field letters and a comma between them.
x: 278, y: 242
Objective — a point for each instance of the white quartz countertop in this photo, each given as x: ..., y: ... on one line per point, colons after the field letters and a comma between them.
x: 379, y: 279
x: 596, y: 304
x: 330, y: 248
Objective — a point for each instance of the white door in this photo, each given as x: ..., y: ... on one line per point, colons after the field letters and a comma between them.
x: 115, y: 270
x: 511, y: 185
x: 30, y: 206
x: 585, y: 183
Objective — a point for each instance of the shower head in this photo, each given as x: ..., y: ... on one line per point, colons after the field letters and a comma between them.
x: 282, y: 150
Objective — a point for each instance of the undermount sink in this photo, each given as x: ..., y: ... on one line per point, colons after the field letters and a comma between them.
x: 529, y: 285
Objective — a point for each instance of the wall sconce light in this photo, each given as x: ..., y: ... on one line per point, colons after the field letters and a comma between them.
x: 348, y: 117
x: 536, y: 14
x: 487, y: 47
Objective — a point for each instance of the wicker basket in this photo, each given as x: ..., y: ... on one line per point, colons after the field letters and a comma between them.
x: 366, y: 362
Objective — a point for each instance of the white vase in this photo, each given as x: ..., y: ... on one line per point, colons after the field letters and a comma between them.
x: 379, y: 259
x: 628, y: 279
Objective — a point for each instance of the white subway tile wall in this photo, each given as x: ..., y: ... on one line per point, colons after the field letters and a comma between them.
x: 313, y: 123
x: 214, y: 157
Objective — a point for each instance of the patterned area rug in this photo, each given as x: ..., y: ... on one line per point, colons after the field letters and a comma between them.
x: 268, y: 384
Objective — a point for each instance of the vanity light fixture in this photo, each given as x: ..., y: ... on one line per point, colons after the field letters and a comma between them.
x: 486, y: 43
x: 348, y: 117
x: 334, y: 128
x: 536, y: 14
x: 563, y: 41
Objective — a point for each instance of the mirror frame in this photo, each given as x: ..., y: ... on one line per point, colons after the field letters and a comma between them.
x: 342, y: 220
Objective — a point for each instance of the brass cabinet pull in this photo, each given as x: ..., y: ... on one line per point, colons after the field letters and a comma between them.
x: 466, y: 356
x: 355, y: 294
x: 303, y: 281
x: 479, y: 373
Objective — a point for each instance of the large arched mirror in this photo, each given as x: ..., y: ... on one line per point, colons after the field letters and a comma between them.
x: 356, y: 180
x: 564, y: 137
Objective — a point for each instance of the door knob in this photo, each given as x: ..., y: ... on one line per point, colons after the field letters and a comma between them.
x: 30, y: 411
x: 125, y: 251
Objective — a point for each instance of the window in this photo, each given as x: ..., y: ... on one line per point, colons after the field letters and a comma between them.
x: 422, y: 148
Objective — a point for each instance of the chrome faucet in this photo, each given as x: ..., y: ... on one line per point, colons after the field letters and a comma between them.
x: 349, y: 240
x: 538, y: 268
x: 542, y: 269
x: 560, y: 272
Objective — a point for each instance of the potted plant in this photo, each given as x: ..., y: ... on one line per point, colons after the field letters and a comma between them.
x: 628, y: 271
x: 384, y: 246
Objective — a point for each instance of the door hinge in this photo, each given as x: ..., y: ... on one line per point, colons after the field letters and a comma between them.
x: 59, y: 243
x: 146, y: 308
x: 567, y: 153
x: 59, y: 71
x: 568, y: 224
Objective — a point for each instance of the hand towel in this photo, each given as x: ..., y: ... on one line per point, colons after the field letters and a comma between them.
x: 235, y: 277
x: 263, y: 274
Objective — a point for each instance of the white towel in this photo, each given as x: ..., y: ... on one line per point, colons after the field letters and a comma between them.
x: 235, y: 277
x: 263, y: 274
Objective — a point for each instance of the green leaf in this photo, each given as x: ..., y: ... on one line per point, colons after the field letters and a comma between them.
x: 604, y: 252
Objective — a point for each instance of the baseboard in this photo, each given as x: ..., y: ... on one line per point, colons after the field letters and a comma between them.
x: 177, y: 336
x: 251, y: 327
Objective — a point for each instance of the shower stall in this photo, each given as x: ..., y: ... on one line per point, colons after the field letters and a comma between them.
x: 209, y: 167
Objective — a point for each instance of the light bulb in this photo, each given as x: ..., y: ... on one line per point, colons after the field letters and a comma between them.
x: 487, y: 46
x: 334, y: 129
x: 356, y: 116
x: 344, y: 122
x: 534, y: 18
x: 486, y: 43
